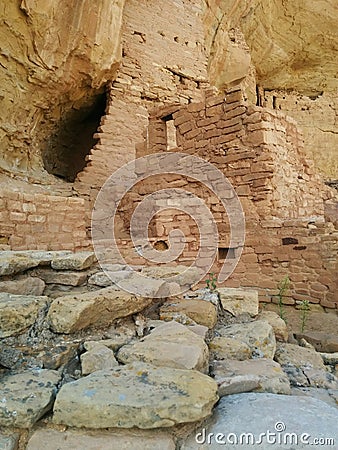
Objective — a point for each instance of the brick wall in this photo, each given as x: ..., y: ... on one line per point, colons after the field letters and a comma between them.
x: 42, y: 222
x: 261, y: 152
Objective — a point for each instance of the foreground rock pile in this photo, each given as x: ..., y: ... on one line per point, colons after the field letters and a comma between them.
x: 87, y: 365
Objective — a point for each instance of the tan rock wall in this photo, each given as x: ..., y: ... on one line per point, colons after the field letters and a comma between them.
x: 55, y: 56
x: 42, y: 222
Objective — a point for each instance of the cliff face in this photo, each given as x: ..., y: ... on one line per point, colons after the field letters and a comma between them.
x: 289, y: 49
x: 55, y: 58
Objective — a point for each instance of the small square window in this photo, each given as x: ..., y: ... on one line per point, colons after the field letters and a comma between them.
x: 225, y: 252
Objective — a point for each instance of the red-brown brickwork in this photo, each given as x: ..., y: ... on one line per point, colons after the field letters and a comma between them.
x: 42, y: 222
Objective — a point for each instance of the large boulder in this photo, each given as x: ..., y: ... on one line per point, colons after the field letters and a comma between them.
x: 170, y: 345
x: 200, y: 311
x: 72, y: 313
x: 137, y: 395
x: 74, y: 261
x: 23, y: 286
x: 278, y: 324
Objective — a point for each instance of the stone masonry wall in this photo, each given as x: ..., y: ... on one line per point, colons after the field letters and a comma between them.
x: 42, y: 222
x: 261, y: 152
x: 163, y: 62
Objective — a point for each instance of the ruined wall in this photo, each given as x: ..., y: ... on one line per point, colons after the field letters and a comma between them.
x: 261, y: 153
x: 163, y: 61
x: 289, y: 49
x: 42, y: 222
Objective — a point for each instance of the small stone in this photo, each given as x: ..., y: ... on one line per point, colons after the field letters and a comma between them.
x: 170, y: 345
x: 59, y: 355
x: 200, y: 311
x: 137, y: 395
x: 229, y: 348
x: 72, y: 313
x: 18, y: 312
x: 234, y: 377
x: 27, y: 396
x: 330, y: 358
x: 74, y: 261
x: 114, y: 440
x: 255, y: 414
x: 9, y: 442
x: 98, y: 357
x: 239, y: 301
x: 258, y: 335
x: 23, y: 286
x: 278, y: 325
x: 58, y: 277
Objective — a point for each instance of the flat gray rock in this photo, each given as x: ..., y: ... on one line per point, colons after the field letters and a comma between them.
x: 137, y: 395
x: 97, y: 357
x: 18, y: 312
x: 23, y: 286
x: 234, y: 377
x: 241, y: 421
x: 26, y: 397
x: 61, y: 277
x: 116, y: 440
x: 74, y: 261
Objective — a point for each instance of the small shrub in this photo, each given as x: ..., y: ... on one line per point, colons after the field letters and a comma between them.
x: 283, y: 287
x: 211, y: 282
x: 304, y: 314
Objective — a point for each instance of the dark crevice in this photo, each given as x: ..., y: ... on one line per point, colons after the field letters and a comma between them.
x: 65, y: 152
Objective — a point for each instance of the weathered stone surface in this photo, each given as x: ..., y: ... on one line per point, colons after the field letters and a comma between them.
x: 278, y: 325
x: 59, y: 277
x: 97, y: 357
x: 330, y: 358
x: 23, y: 286
x: 200, y: 311
x: 170, y: 345
x: 74, y: 261
x: 229, y: 348
x: 137, y: 395
x: 329, y: 396
x: 239, y: 301
x: 18, y: 312
x: 233, y: 376
x: 27, y: 396
x: 183, y: 275
x: 304, y: 366
x: 258, y: 413
x: 58, y: 355
x: 54, y: 78
x: 8, y: 442
x: 258, y: 335
x: 322, y: 342
x: 76, y: 312
x: 11, y: 263
x: 116, y: 440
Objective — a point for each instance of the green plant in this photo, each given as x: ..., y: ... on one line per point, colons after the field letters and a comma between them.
x: 283, y: 287
x: 211, y: 282
x: 304, y: 314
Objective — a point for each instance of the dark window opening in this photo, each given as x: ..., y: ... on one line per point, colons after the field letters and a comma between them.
x: 170, y: 131
x: 161, y: 246
x: 300, y: 247
x: 289, y: 241
x: 65, y: 152
x: 224, y: 252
